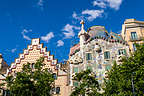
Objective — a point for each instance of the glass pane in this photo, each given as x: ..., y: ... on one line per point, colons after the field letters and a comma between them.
x: 134, y: 47
x: 54, y: 76
x: 124, y: 51
x: 108, y: 67
x: 133, y: 35
x: 89, y: 67
x: 57, y: 90
x: 75, y: 84
x: 107, y: 55
x: 99, y: 66
x: 75, y: 69
x: 88, y: 56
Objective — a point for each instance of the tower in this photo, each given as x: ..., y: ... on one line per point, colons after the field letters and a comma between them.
x: 82, y: 35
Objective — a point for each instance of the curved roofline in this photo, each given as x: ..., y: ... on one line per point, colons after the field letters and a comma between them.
x: 97, y: 26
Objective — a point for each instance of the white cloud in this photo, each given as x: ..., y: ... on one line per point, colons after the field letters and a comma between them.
x: 99, y: 3
x: 92, y: 14
x: 47, y: 37
x: 69, y: 30
x: 13, y: 50
x: 114, y: 3
x: 60, y: 43
x: 40, y: 3
x: 75, y: 16
x: 26, y: 31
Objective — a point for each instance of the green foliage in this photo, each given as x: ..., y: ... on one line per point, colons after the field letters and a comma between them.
x: 88, y: 84
x: 127, y: 79
x: 31, y: 82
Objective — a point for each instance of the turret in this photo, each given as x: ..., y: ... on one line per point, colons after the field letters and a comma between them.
x: 82, y: 35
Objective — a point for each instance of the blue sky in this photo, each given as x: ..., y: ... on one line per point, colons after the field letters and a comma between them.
x: 56, y: 22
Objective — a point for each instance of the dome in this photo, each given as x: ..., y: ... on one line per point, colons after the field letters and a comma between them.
x: 97, y: 31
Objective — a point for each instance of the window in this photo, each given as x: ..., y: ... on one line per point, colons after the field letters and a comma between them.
x: 75, y: 69
x: 89, y: 67
x: 108, y: 67
x: 32, y: 66
x: 134, y: 47
x: 57, y: 90
x: 121, y: 51
x: 53, y: 89
x: 88, y: 56
x: 54, y: 76
x: 133, y: 35
x: 100, y: 66
x: 107, y: 55
x: 75, y: 84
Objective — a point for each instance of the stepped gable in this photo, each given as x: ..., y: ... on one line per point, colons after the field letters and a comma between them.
x: 33, y: 53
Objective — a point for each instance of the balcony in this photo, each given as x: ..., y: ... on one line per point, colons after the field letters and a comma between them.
x: 136, y: 39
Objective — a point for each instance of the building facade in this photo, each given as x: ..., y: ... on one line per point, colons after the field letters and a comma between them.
x: 33, y: 53
x: 97, y: 51
x: 3, y: 70
x: 3, y: 65
x: 133, y: 32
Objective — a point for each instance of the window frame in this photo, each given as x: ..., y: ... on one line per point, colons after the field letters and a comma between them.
x: 57, y: 92
x: 107, y: 55
x: 87, y: 56
x: 122, y: 52
x: 77, y: 69
x: 134, y: 47
x: 134, y: 36
x: 90, y: 67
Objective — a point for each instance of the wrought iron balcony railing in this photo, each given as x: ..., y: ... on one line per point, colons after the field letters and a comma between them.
x: 136, y: 39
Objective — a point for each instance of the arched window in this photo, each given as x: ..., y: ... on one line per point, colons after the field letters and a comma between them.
x: 32, y: 66
x: 57, y: 90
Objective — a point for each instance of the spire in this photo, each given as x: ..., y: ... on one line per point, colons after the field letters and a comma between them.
x: 82, y: 32
x: 82, y: 22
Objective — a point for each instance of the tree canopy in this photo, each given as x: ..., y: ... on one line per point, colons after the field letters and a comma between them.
x: 31, y: 81
x: 127, y: 79
x: 88, y: 84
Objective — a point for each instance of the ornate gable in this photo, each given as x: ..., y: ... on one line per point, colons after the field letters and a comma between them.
x: 33, y: 53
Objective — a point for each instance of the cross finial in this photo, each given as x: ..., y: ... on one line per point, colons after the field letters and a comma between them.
x: 82, y: 22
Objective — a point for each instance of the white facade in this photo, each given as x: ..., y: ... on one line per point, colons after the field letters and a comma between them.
x: 99, y: 51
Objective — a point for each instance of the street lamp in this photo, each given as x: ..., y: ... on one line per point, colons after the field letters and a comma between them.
x: 133, y: 84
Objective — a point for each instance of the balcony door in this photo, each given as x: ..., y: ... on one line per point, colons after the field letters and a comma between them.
x: 134, y: 36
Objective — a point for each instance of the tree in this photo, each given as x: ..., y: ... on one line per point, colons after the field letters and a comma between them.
x: 88, y: 84
x: 127, y: 79
x: 31, y: 82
